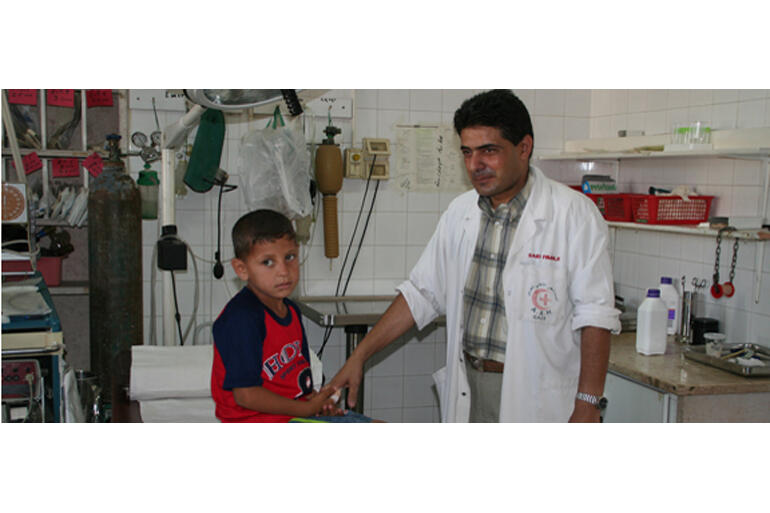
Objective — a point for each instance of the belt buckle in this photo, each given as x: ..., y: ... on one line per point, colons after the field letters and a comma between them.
x: 476, y: 363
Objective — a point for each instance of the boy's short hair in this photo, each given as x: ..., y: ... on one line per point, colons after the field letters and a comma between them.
x: 498, y: 108
x: 258, y: 226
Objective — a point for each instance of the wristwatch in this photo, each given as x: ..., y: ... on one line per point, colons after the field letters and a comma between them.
x: 599, y: 402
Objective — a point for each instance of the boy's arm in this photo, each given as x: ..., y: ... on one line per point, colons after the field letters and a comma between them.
x: 265, y: 401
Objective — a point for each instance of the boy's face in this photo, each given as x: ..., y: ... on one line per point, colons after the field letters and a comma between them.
x: 271, y: 269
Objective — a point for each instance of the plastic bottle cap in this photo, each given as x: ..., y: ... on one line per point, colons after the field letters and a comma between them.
x: 666, y: 280
x: 653, y: 293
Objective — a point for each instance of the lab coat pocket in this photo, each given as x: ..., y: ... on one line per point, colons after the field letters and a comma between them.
x: 543, y: 297
x: 439, y: 379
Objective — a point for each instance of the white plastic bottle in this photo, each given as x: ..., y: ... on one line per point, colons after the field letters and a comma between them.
x: 651, y: 324
x: 670, y: 296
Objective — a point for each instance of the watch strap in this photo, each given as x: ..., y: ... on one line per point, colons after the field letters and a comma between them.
x: 594, y: 400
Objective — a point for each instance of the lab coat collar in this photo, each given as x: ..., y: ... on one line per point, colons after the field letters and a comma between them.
x: 539, y: 209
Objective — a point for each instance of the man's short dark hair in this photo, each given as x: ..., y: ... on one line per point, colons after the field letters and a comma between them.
x: 498, y: 108
x: 259, y: 226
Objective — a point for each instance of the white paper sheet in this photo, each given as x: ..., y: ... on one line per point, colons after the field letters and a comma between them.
x: 428, y: 158
x: 178, y: 410
x: 171, y: 372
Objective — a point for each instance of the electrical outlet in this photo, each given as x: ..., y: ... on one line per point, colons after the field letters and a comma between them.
x: 354, y: 163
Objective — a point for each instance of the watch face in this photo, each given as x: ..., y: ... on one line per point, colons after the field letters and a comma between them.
x: 602, y: 403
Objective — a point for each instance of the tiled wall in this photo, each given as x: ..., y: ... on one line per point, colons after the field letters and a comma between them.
x: 398, y: 383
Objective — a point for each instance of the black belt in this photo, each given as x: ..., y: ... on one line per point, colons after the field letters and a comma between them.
x: 484, y: 365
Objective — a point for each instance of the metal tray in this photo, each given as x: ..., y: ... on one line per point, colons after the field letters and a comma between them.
x: 698, y: 353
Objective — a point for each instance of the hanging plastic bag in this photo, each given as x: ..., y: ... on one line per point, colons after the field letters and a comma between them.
x: 274, y: 165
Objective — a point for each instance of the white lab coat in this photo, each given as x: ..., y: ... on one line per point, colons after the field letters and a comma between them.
x: 557, y: 279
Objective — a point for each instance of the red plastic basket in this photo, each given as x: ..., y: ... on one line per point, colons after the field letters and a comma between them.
x: 670, y: 209
x: 614, y: 207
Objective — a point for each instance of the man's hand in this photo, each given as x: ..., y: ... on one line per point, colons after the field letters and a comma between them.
x: 585, y: 412
x: 349, y: 376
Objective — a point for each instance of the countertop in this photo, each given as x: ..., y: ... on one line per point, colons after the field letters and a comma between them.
x: 672, y: 372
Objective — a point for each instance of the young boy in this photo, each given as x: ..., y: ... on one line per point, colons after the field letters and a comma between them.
x: 261, y: 370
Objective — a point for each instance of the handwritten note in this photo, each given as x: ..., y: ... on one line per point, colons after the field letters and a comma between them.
x: 65, y: 168
x: 60, y: 97
x: 22, y: 96
x: 428, y: 158
x: 30, y: 162
x: 99, y: 97
x: 94, y: 164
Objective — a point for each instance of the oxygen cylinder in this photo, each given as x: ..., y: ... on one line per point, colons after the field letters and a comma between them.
x: 115, y: 272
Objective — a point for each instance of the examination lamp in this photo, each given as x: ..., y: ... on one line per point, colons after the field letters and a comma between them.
x: 174, y: 135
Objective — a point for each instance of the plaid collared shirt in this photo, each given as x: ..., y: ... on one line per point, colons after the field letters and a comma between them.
x: 486, y: 331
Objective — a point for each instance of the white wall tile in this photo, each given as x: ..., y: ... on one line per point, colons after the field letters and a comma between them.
x: 421, y: 228
x: 390, y: 229
x: 601, y: 102
x: 751, y: 114
x: 724, y: 116
x: 637, y: 100
x: 453, y: 98
x: 393, y: 99
x: 752, y: 94
x: 655, y: 123
x: 726, y: 95
x: 549, y: 102
x: 577, y: 103
x: 388, y: 119
x: 422, y: 202
x: 389, y: 262
x: 720, y: 172
x: 549, y: 132
x: 418, y: 391
x: 387, y: 392
x: 366, y: 98
x: 677, y: 98
x: 425, y: 100
x: 747, y: 173
x: 701, y: 97
x: 419, y: 359
x: 576, y: 128
x: 657, y: 99
x: 366, y: 124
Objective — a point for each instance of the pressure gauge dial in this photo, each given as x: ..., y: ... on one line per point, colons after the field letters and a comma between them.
x: 155, y: 138
x: 138, y: 139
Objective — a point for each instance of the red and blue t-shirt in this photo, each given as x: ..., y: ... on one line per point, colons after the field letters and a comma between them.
x: 255, y: 347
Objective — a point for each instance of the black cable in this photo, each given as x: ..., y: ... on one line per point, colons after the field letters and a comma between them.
x: 328, y: 330
x: 219, y: 269
x: 361, y: 240
x: 355, y: 229
x: 176, y: 308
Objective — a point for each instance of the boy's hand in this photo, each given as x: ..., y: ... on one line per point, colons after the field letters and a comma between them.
x: 321, y: 401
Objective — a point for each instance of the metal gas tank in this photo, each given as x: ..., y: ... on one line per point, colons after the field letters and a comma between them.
x: 115, y: 272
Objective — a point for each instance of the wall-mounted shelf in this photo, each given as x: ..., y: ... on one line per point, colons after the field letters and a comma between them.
x: 759, y: 235
x: 739, y: 153
x: 745, y: 143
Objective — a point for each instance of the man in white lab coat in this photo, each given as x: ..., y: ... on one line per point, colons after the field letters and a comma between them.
x: 521, y: 270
